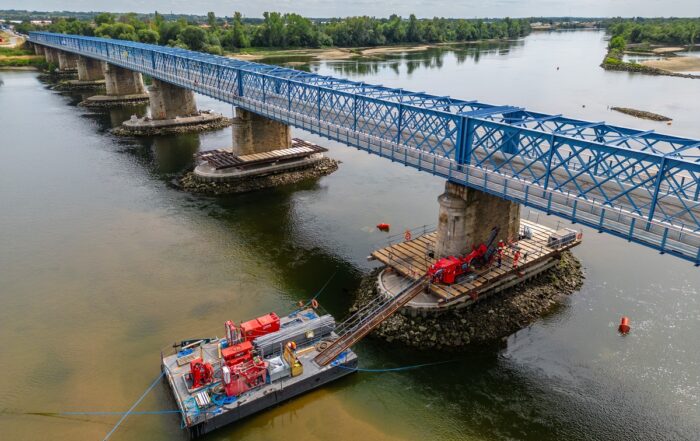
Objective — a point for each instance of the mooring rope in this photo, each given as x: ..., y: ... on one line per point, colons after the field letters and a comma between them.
x: 320, y: 291
x: 396, y: 369
x: 133, y: 406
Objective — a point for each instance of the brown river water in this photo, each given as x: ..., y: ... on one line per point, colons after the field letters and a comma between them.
x: 103, y: 263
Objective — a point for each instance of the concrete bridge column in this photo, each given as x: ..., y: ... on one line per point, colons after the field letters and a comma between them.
x: 51, y: 55
x: 253, y: 133
x: 89, y: 69
x: 168, y: 101
x: 38, y: 50
x: 124, y: 87
x: 466, y: 217
x: 120, y: 81
x: 67, y: 61
x: 173, y: 110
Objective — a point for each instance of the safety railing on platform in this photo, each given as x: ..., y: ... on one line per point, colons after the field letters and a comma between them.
x: 367, y: 318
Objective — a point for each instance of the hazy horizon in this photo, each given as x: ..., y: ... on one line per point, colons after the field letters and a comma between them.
x: 422, y: 8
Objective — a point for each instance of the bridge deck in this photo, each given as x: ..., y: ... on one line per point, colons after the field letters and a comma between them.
x: 411, y: 259
x: 635, y: 184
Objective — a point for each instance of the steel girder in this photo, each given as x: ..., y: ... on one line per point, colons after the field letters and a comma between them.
x: 650, y: 181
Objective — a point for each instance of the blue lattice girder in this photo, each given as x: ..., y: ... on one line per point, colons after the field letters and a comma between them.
x: 649, y: 180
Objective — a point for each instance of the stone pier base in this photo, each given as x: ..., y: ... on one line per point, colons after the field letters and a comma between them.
x: 488, y: 321
x: 199, y: 122
x: 312, y: 168
x: 98, y: 101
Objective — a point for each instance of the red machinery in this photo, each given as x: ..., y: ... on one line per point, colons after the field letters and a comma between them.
x: 201, y: 373
x: 233, y: 334
x: 237, y: 354
x: 260, y: 326
x: 244, y: 377
x: 448, y: 269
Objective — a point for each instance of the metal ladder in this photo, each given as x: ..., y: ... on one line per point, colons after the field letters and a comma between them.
x: 362, y: 322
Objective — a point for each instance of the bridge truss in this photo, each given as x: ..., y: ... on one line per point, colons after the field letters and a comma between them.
x: 639, y: 185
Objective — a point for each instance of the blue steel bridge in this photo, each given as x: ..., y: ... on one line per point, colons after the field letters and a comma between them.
x: 642, y: 186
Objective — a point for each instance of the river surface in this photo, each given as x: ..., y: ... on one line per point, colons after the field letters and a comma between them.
x: 103, y: 263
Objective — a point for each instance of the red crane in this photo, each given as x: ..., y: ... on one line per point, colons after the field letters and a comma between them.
x: 448, y: 269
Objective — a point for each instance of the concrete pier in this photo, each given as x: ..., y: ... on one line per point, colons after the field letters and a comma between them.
x: 253, y: 133
x: 51, y: 55
x: 123, y: 82
x: 168, y: 101
x: 90, y: 76
x: 173, y: 110
x: 89, y: 69
x: 467, y: 216
x: 38, y: 50
x: 124, y: 88
x: 67, y: 61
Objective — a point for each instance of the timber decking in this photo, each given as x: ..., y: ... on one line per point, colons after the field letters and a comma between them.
x: 411, y: 259
x: 221, y: 158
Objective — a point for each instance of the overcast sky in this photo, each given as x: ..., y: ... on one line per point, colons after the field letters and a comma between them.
x: 338, y: 8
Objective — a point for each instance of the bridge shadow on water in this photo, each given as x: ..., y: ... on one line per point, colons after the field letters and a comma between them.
x: 266, y: 220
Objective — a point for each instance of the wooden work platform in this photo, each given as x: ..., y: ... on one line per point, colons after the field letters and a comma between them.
x: 221, y: 158
x: 411, y: 259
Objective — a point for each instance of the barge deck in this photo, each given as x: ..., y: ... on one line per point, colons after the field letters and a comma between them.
x: 209, y: 407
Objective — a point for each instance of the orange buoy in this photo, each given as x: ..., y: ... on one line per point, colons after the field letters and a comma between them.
x: 383, y: 227
x: 314, y: 303
x: 624, y: 327
x: 407, y: 235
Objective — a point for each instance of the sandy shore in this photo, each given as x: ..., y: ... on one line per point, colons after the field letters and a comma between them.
x: 335, y: 53
x: 676, y: 64
x: 666, y: 50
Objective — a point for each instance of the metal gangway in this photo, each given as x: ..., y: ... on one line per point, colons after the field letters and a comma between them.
x: 367, y: 318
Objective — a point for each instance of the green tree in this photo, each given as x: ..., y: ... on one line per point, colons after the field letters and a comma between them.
x: 193, y: 37
x: 148, y: 36
x: 617, y: 43
x: 118, y: 31
x: 413, y: 33
x: 104, y: 18
x: 211, y: 19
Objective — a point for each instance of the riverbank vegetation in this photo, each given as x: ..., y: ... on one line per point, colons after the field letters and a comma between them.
x: 645, y: 37
x: 650, y: 31
x: 282, y: 31
x: 17, y: 57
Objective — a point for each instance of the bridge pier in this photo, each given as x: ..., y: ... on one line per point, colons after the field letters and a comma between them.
x: 253, y: 133
x: 51, y: 56
x: 90, y: 75
x: 67, y: 62
x: 173, y: 110
x: 263, y: 155
x: 124, y: 88
x: 467, y: 216
x: 38, y: 50
x: 90, y: 69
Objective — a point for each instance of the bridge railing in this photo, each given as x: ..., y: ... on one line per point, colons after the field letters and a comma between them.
x: 578, y: 172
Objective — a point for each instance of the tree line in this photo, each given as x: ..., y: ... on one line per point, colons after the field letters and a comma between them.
x: 277, y: 30
x: 678, y: 31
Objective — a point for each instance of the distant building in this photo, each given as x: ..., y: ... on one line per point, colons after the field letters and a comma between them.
x: 40, y: 22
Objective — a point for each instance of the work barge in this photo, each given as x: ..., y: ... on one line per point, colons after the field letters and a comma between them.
x: 267, y: 360
x: 259, y: 364
x: 407, y: 260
